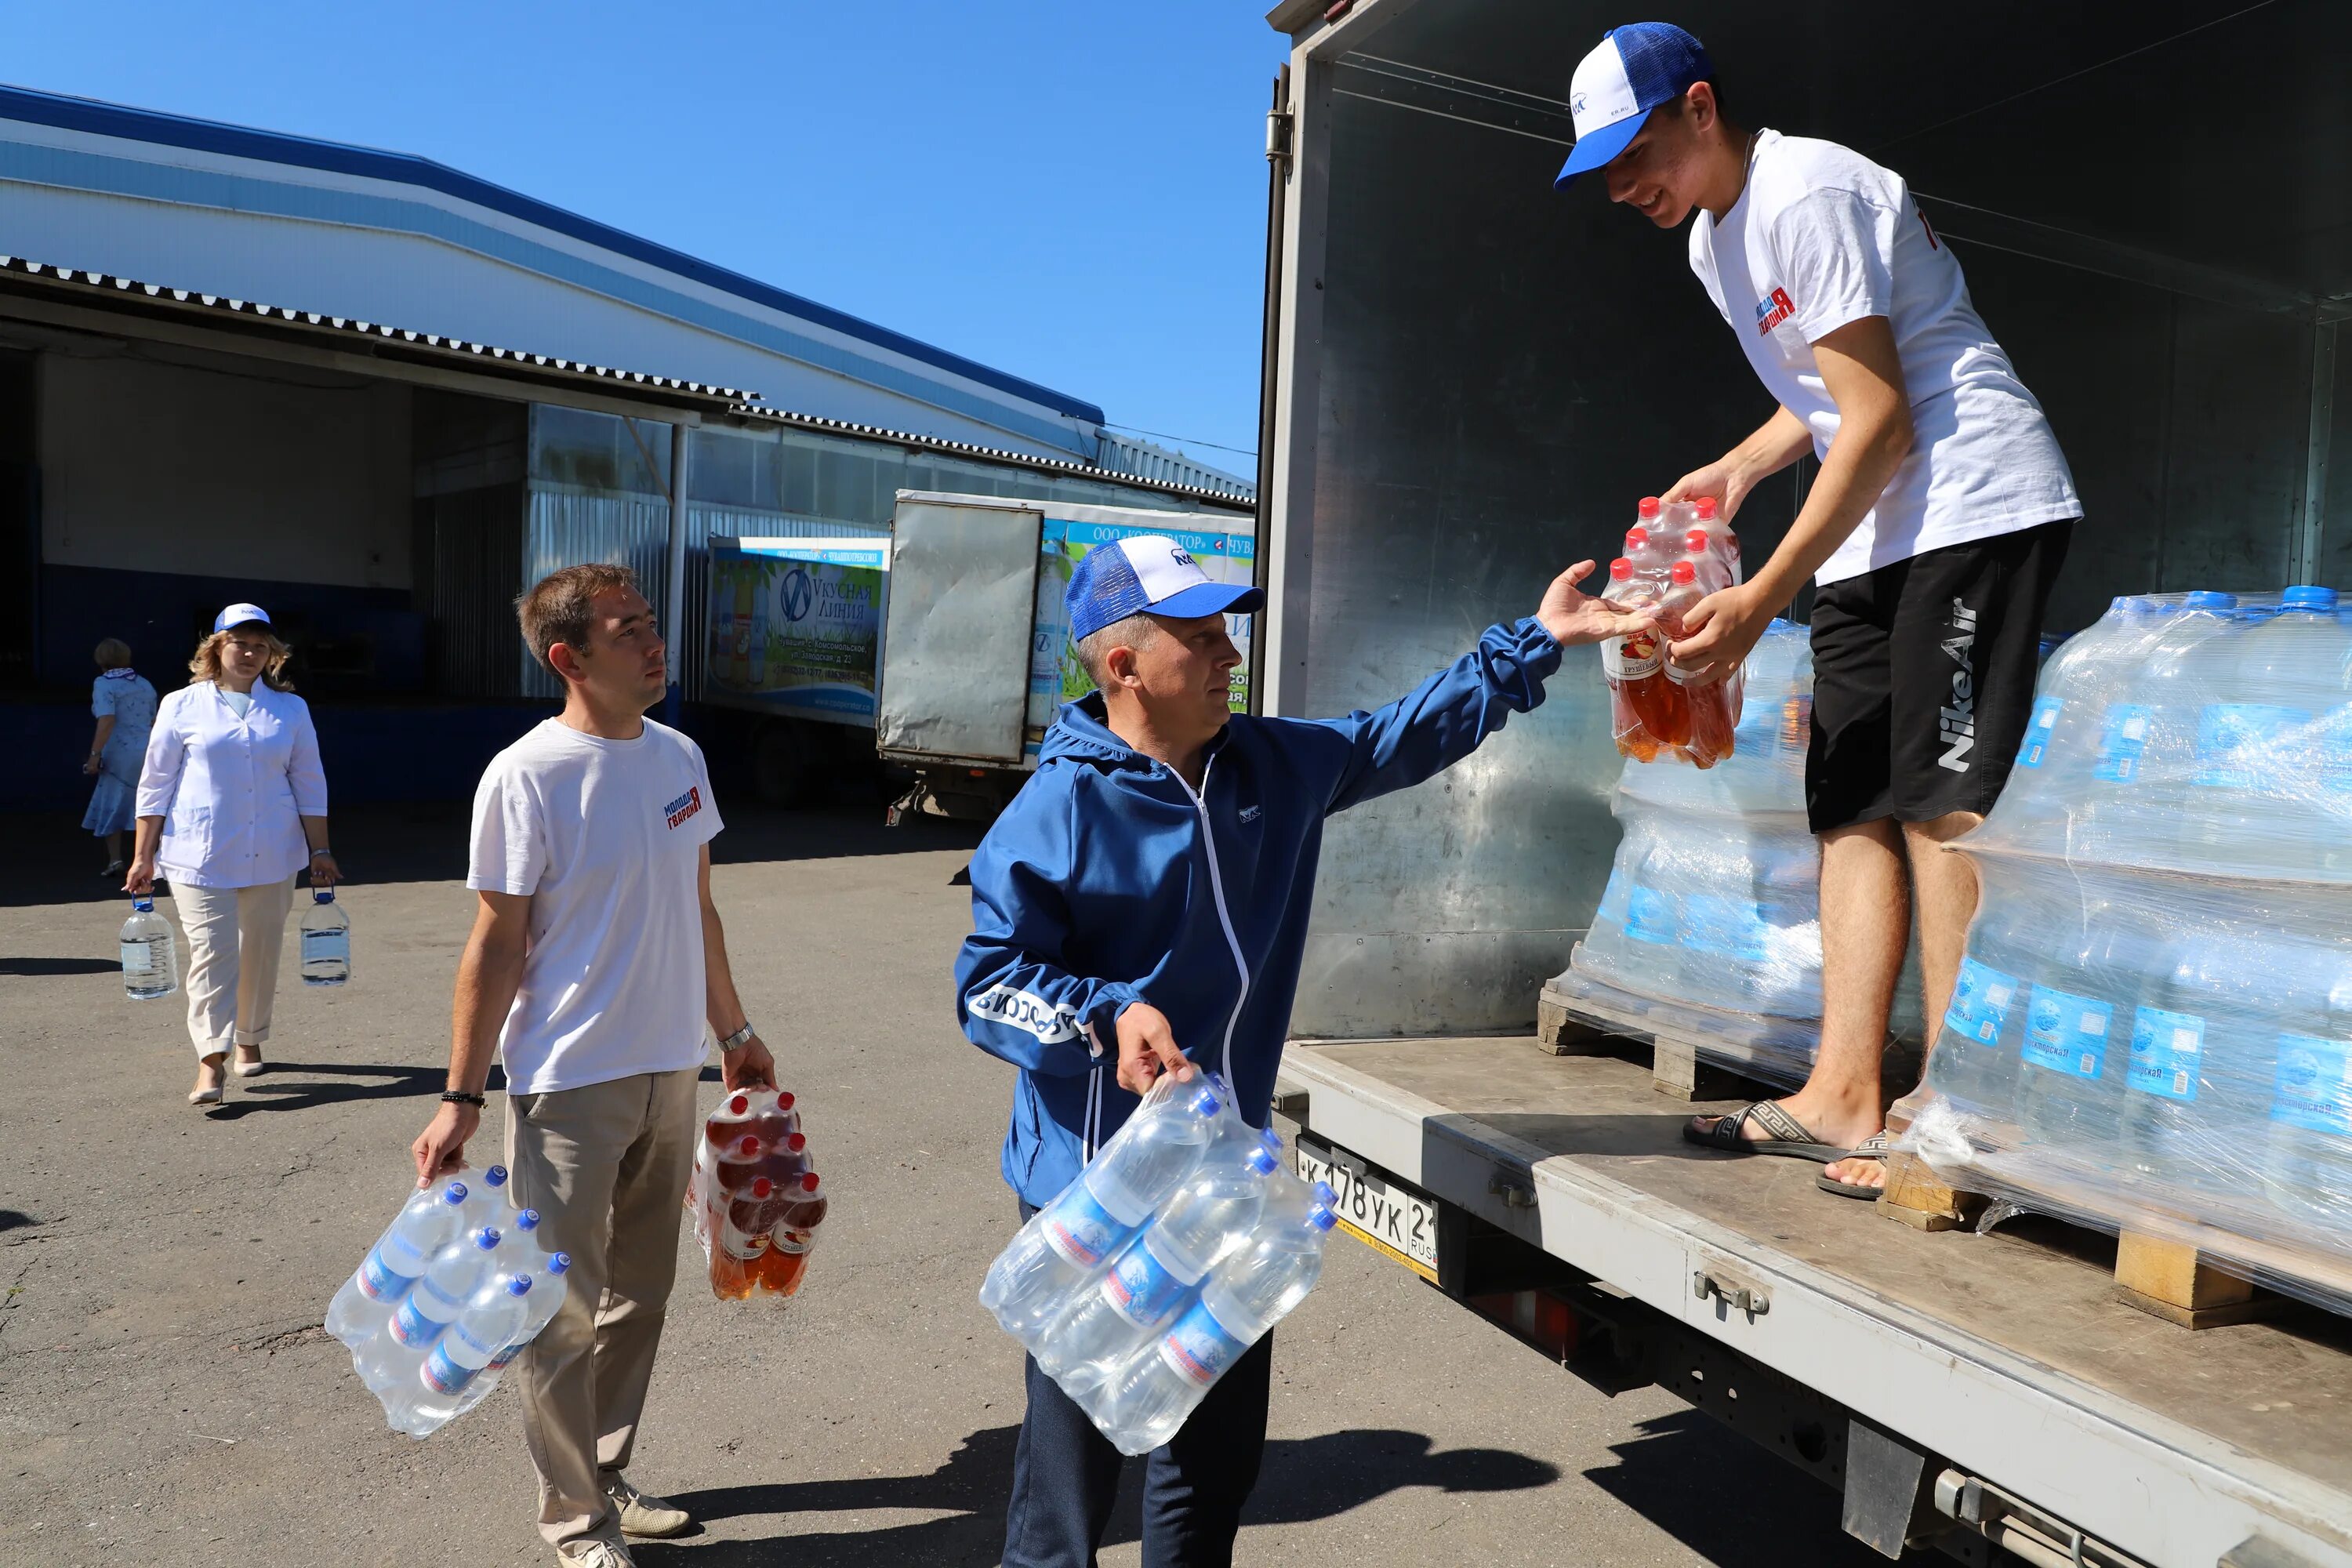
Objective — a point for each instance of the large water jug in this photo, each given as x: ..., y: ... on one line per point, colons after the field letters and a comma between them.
x: 2202, y: 1045
x: 2132, y: 805
x: 151, y: 960
x: 2078, y: 1019
x: 2273, y: 793
x: 2087, y: 674
x: 2307, y: 1166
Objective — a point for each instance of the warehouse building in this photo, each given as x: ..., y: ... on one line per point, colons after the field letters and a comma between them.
x: 380, y: 397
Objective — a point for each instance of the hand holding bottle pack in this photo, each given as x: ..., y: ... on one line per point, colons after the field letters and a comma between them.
x: 1676, y: 554
x: 756, y: 1200
x: 1179, y: 1245
x: 450, y: 1294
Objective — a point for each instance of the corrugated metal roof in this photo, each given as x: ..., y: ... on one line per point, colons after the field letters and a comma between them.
x: 1150, y: 459
x: 97, y: 117
x: 998, y: 454
x: 107, y: 290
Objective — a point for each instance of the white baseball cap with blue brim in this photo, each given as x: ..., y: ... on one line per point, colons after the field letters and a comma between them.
x: 1148, y: 573
x: 240, y: 615
x: 1637, y: 68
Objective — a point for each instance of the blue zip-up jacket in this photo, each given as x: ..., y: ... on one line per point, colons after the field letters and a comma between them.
x: 1109, y: 881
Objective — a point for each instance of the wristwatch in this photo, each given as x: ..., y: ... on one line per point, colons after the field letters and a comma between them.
x: 737, y: 1041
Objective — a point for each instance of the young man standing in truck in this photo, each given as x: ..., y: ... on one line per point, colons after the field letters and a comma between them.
x: 1933, y: 532
x: 1142, y: 908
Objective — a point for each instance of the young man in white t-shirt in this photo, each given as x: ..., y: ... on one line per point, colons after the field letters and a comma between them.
x: 595, y: 962
x: 1933, y: 532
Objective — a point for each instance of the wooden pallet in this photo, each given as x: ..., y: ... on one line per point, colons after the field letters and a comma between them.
x: 1697, y: 1052
x: 2183, y: 1270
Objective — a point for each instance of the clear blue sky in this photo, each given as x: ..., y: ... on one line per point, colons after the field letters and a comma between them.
x: 1074, y: 193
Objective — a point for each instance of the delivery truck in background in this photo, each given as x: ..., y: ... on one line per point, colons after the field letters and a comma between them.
x: 939, y: 648
x: 1470, y: 378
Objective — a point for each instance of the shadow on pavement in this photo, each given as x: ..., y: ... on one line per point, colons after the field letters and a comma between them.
x: 427, y: 842
x: 1304, y: 1479
x: 1703, y: 1484
x: 60, y: 966
x: 272, y: 1091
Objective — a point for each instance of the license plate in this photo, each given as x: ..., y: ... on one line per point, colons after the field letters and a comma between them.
x: 1382, y: 1212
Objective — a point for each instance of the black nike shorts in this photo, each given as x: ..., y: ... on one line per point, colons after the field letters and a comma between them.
x: 1923, y: 678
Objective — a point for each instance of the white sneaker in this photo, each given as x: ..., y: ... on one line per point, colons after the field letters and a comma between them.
x: 646, y: 1518
x: 594, y: 1555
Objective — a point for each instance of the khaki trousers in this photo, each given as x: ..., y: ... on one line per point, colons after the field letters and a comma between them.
x: 606, y: 1166
x: 234, y: 936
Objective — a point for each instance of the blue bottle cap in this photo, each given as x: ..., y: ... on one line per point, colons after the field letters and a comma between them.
x: 559, y: 1263
x: 496, y: 1177
x: 1261, y: 1161
x: 527, y: 1220
x: 323, y: 895
x: 1321, y: 1218
x: 143, y: 904
x: 2204, y: 600
x: 2306, y: 597
x: 454, y: 1193
x: 1205, y: 1103
x: 487, y: 1237
x: 518, y: 1286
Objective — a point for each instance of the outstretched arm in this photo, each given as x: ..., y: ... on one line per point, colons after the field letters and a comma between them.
x: 1447, y: 715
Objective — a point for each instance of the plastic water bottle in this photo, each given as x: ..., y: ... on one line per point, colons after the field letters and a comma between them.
x: 1975, y: 1063
x: 2078, y: 1024
x: 2137, y: 794
x: 326, y: 941
x: 2274, y: 747
x: 2306, y: 1169
x: 550, y: 1284
x: 2200, y: 1045
x: 456, y: 1272
x: 2089, y: 672
x: 1151, y: 1396
x: 1075, y: 1237
x: 1213, y: 1213
x: 151, y: 960
x: 485, y: 1200
x: 490, y: 1318
x: 368, y: 1299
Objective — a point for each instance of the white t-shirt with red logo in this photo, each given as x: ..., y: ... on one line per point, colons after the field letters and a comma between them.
x: 606, y: 838
x: 1821, y: 238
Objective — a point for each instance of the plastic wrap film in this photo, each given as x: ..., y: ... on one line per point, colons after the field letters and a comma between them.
x: 2152, y: 1029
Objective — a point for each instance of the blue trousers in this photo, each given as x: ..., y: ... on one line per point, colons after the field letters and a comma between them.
x: 1065, y: 1475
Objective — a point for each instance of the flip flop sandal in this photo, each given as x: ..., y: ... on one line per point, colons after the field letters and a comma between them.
x: 1874, y: 1147
x: 1786, y: 1135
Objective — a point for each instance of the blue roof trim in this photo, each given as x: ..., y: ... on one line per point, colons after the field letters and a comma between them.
x: 99, y: 119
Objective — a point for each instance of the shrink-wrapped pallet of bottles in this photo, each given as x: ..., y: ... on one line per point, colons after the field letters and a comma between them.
x: 2152, y: 1029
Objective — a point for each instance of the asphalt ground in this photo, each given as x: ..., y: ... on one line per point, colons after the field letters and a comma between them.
x: 167, y: 1396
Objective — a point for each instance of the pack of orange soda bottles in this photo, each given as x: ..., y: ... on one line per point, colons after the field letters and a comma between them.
x: 756, y: 1198
x: 1677, y: 553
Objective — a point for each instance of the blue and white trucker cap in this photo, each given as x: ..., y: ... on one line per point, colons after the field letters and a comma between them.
x: 240, y: 615
x: 1637, y: 68
x: 1149, y: 572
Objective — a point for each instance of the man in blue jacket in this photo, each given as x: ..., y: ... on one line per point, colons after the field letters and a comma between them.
x: 1141, y: 907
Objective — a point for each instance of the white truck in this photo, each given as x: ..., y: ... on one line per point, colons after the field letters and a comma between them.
x: 1470, y: 378
x: 943, y: 644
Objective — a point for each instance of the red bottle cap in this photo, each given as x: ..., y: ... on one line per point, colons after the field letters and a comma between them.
x: 784, y: 1102
x: 1621, y: 568
x: 740, y: 1106
x: 1696, y: 540
x: 1649, y: 507
x: 796, y: 1143
x: 1684, y: 572
x: 809, y: 1183
x: 1636, y: 539
x: 1706, y: 509
x: 762, y: 1186
x: 748, y: 1146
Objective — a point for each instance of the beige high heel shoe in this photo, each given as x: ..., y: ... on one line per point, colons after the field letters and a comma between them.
x: 253, y: 1068
x: 201, y: 1096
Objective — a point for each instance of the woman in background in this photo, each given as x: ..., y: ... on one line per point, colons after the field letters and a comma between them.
x: 125, y: 706
x: 231, y: 804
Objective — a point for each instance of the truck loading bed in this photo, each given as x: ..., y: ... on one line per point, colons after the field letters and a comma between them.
x: 1998, y: 1365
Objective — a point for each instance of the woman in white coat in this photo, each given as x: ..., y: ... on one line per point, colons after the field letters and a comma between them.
x: 232, y: 805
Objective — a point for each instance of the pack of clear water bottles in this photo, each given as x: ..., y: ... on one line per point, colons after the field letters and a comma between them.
x: 448, y: 1296
x: 1181, y: 1243
x: 2153, y: 1024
